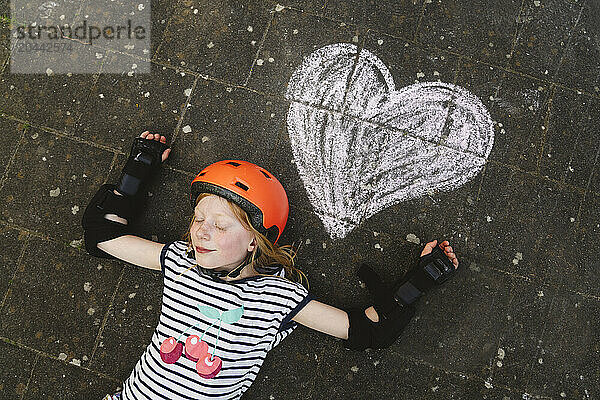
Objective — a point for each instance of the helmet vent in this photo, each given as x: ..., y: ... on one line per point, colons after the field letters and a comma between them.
x: 202, y: 174
x: 265, y: 174
x: 234, y: 163
x: 241, y: 185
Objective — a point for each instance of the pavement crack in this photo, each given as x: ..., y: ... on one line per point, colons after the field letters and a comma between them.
x: 35, y: 362
x: 19, y: 262
x: 11, y: 160
x: 587, y: 187
x: 260, y: 46
x: 103, y: 325
x: 568, y: 43
x: 546, y: 125
x: 516, y: 35
x: 183, y: 112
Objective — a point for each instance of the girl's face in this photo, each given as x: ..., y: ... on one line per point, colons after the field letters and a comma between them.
x: 216, y: 228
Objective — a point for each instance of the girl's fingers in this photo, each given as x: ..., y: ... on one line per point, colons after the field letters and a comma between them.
x: 154, y: 136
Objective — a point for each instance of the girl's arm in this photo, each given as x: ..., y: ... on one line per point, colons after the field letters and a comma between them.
x: 328, y: 319
x: 362, y: 329
x: 135, y: 250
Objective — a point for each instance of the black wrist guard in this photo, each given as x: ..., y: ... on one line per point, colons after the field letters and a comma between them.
x: 432, y: 269
x: 144, y: 159
x: 364, y: 333
x: 97, y: 228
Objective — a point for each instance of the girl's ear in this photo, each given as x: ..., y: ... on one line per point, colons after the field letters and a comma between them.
x: 252, y: 245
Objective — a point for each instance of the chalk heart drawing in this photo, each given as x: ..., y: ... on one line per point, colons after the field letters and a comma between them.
x: 360, y: 145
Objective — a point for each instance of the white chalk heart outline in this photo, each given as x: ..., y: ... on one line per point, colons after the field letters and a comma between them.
x: 361, y: 146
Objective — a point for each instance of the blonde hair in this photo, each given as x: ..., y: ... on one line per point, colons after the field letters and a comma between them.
x: 269, y: 254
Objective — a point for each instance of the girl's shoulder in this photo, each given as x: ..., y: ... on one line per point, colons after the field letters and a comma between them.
x: 280, y: 283
x: 179, y: 247
x: 175, y: 255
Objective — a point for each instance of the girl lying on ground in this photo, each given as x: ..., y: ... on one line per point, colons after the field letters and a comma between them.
x: 231, y: 293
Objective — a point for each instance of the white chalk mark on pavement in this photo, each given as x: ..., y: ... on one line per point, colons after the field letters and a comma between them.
x: 361, y: 146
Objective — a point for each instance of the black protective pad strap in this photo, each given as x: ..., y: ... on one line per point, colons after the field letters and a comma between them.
x: 144, y: 159
x: 97, y: 228
x: 383, y: 297
x: 407, y: 293
x: 359, y: 330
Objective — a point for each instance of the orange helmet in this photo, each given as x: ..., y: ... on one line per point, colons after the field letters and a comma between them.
x: 252, y: 188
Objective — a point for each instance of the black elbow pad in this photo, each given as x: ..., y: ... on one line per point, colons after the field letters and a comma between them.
x: 364, y: 333
x: 97, y: 228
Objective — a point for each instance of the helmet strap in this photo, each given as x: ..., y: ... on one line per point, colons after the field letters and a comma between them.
x: 234, y: 273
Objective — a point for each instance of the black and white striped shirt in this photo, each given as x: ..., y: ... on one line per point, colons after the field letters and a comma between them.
x: 268, y: 303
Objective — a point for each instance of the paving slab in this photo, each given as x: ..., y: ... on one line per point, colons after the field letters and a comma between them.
x: 518, y: 216
x: 227, y: 123
x: 226, y: 37
x: 523, y: 323
x: 398, y: 18
x: 595, y: 175
x: 350, y: 374
x: 422, y: 220
x: 50, y: 181
x: 120, y: 106
x: 5, y: 44
x: 481, y: 29
x: 543, y: 35
x: 59, y: 380
x: 54, y: 102
x: 576, y: 266
x: 571, y: 146
x: 67, y: 325
x: 291, y: 37
x: 309, y: 6
x: 467, y: 312
x: 412, y: 63
x: 14, y: 242
x: 9, y: 141
x: 579, y: 68
x: 568, y: 356
x: 519, y: 107
x: 14, y: 380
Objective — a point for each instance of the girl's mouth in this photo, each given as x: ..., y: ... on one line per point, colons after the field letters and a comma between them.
x: 202, y: 250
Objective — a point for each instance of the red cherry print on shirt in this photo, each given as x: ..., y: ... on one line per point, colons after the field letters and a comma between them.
x: 208, y: 368
x: 170, y: 350
x: 195, y: 348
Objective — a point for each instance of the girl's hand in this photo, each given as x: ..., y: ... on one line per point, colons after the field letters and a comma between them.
x: 162, y: 139
x: 445, y: 246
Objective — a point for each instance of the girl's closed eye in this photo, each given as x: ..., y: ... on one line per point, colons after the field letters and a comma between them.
x: 199, y: 220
